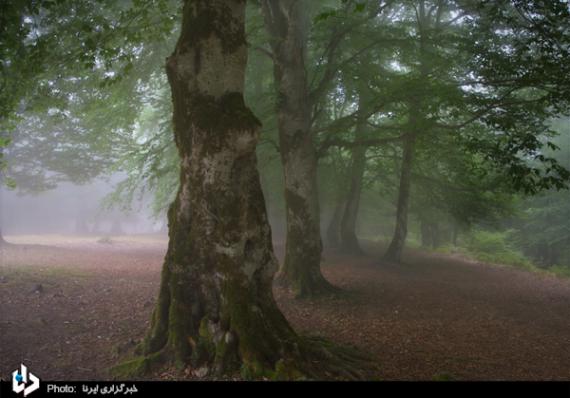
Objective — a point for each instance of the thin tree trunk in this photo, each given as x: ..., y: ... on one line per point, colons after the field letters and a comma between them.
x: 455, y: 234
x: 285, y: 21
x: 394, y: 252
x: 349, y: 241
x: 416, y: 125
x: 436, y: 235
x: 425, y: 231
x: 333, y: 229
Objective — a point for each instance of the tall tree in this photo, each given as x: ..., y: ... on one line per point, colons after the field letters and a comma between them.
x: 349, y: 241
x: 287, y: 23
x: 494, y: 91
x: 416, y: 123
x: 215, y: 307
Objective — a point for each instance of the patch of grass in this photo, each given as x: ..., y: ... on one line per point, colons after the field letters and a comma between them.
x: 560, y: 270
x: 493, y: 247
x: 505, y: 257
x: 449, y: 249
x: 137, y: 367
x: 509, y: 258
x: 413, y: 243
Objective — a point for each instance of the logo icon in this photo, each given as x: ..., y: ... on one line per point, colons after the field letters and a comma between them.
x: 20, y: 379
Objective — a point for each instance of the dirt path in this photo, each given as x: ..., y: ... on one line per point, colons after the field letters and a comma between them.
x: 433, y: 317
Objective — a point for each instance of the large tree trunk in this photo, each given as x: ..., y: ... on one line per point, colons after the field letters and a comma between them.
x: 394, y: 252
x: 215, y: 308
x: 285, y: 21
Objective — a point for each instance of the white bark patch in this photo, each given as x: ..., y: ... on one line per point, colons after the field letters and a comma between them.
x: 229, y: 338
x: 249, y: 268
x: 232, y: 251
x: 184, y: 198
x: 215, y: 81
x: 296, y: 178
x: 295, y: 221
x: 209, y: 219
x: 216, y: 169
x: 245, y: 141
x: 300, y: 183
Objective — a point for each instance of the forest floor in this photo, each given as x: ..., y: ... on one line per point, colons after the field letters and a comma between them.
x: 71, y: 307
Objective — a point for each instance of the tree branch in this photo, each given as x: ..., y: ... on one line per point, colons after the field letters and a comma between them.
x: 359, y: 143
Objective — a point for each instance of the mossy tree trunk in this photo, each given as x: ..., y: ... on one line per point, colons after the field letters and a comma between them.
x: 215, y: 308
x: 287, y: 25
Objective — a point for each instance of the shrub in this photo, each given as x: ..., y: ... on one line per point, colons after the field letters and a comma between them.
x: 560, y: 270
x: 493, y: 247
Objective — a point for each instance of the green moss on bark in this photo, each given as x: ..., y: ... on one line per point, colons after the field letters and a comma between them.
x: 215, y: 310
x: 205, y: 21
x: 217, y: 116
x: 138, y: 367
x: 301, y: 268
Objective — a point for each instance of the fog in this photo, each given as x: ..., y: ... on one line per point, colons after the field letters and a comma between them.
x: 74, y: 210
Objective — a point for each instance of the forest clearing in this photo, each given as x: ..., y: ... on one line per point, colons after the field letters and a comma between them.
x: 433, y: 318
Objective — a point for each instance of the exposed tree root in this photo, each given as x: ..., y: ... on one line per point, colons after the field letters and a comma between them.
x: 326, y: 360
x: 315, y: 359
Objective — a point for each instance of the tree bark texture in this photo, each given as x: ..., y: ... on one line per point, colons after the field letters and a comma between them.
x: 215, y: 308
x: 286, y: 23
